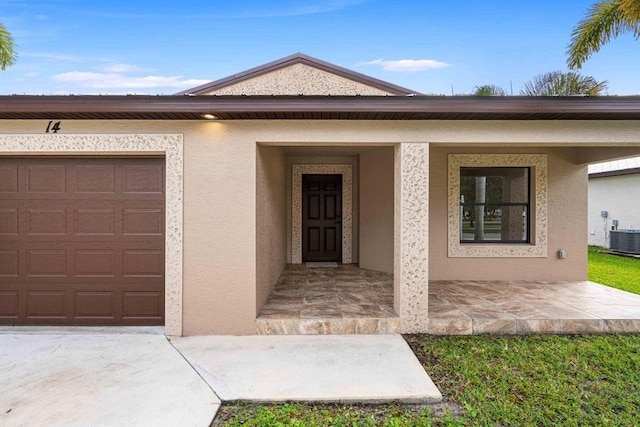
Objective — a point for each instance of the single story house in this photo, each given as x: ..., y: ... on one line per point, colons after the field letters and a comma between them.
x: 614, y: 198
x: 184, y: 210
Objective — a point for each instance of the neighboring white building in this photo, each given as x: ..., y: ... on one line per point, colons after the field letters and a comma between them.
x: 614, y: 188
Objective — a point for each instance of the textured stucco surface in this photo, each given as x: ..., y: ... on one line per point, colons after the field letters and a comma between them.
x: 538, y: 163
x: 219, y: 233
x: 271, y: 220
x: 139, y: 144
x: 411, y: 261
x: 299, y: 79
x: 620, y: 197
x: 566, y: 224
x: 296, y: 206
x: 376, y: 209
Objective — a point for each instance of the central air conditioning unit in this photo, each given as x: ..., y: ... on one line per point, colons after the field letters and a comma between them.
x: 627, y: 241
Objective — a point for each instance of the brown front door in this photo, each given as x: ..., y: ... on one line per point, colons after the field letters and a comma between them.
x: 321, y: 218
x: 82, y: 241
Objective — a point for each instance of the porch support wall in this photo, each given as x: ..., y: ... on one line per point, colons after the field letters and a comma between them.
x: 411, y: 236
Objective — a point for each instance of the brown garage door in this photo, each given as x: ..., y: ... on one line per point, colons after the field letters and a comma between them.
x: 82, y: 241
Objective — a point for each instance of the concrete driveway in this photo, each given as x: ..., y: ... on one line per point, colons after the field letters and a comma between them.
x: 72, y: 377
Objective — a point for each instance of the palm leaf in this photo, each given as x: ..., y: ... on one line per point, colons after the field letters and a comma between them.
x: 7, y: 51
x: 557, y: 83
x: 605, y: 20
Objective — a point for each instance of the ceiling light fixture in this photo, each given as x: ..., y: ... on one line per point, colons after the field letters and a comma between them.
x: 209, y: 116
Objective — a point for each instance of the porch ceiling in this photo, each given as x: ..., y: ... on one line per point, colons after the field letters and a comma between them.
x: 180, y: 107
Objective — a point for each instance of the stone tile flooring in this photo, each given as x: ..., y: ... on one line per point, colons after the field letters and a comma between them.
x: 340, y: 300
x: 475, y: 307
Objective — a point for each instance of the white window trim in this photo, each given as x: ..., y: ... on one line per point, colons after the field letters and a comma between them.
x: 537, y: 248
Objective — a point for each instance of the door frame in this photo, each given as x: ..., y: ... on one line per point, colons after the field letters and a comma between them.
x: 346, y: 170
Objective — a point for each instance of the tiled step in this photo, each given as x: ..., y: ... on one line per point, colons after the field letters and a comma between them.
x: 329, y: 326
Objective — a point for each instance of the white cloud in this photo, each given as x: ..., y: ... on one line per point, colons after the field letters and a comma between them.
x: 408, y: 65
x: 121, y: 81
x: 122, y: 68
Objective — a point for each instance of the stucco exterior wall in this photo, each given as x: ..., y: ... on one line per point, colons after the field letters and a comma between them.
x: 271, y: 220
x: 220, y: 208
x: 376, y: 209
x: 620, y: 197
x: 299, y: 79
x: 566, y: 224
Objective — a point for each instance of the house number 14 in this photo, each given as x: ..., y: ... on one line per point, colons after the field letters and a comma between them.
x: 53, y: 127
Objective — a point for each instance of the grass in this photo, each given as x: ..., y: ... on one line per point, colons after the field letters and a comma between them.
x: 487, y: 381
x: 614, y: 270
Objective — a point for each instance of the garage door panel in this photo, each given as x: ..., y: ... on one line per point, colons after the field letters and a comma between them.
x: 96, y: 305
x: 146, y: 179
x: 9, y: 263
x: 97, y: 221
x: 50, y: 221
x: 94, y: 178
x: 46, y: 304
x: 9, y: 305
x: 143, y: 305
x: 8, y: 179
x: 142, y: 263
x: 46, y: 179
x: 9, y: 221
x: 82, y: 241
x: 95, y: 263
x: 46, y: 262
x: 143, y: 222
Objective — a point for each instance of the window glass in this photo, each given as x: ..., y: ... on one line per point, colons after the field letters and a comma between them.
x: 494, y: 205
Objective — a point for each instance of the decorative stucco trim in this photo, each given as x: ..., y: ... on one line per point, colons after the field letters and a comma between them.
x: 538, y: 247
x: 411, y: 236
x: 168, y: 145
x: 296, y: 206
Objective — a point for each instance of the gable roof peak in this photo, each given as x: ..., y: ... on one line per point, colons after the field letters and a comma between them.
x: 299, y: 58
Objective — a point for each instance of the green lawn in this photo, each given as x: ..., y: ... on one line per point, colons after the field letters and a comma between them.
x: 614, y: 270
x: 487, y: 381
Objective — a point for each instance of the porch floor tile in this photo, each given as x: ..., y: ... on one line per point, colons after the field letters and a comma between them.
x: 339, y: 300
x: 480, y: 307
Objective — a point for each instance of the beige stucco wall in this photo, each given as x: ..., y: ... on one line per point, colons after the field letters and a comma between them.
x: 376, y: 209
x: 299, y: 79
x: 220, y: 237
x: 271, y: 220
x: 566, y: 223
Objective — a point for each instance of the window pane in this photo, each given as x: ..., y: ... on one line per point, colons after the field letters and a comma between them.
x: 494, y: 204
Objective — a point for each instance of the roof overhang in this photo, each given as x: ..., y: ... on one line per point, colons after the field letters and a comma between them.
x: 180, y: 107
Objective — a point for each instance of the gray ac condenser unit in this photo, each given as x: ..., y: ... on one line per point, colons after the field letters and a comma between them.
x: 627, y: 241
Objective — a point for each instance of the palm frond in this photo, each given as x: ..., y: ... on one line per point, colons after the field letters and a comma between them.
x: 489, y: 90
x: 604, y: 20
x: 7, y: 50
x: 557, y: 83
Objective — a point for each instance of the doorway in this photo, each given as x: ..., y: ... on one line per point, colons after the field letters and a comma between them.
x: 321, y: 217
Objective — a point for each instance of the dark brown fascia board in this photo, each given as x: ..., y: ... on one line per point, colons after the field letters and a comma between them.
x: 135, y: 104
x: 298, y: 58
x: 619, y: 172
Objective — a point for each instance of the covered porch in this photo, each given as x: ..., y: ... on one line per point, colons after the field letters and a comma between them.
x: 350, y: 300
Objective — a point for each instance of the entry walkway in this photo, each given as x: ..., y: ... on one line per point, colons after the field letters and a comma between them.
x: 475, y: 307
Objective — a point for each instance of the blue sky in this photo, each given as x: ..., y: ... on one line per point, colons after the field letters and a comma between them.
x: 119, y: 47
